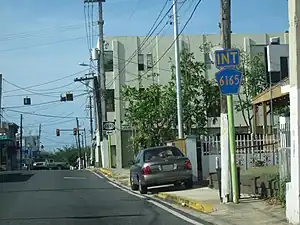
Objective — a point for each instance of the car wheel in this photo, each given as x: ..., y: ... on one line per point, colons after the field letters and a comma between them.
x: 188, y: 184
x: 142, y: 188
x: 133, y: 186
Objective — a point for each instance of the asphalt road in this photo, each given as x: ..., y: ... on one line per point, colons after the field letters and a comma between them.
x: 73, y: 198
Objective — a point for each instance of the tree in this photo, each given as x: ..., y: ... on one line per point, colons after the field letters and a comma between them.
x: 152, y: 110
x: 254, y: 82
x: 200, y: 95
x: 67, y: 154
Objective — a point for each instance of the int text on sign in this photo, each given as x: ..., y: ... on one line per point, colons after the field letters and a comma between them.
x: 227, y: 58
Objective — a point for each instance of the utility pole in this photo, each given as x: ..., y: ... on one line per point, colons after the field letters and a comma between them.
x: 39, y: 141
x: 79, y: 144
x: 226, y: 44
x: 225, y: 26
x: 1, y: 110
x: 91, y: 130
x: 21, y: 139
x: 293, y: 187
x: 97, y: 97
x: 102, y: 83
x: 177, y: 72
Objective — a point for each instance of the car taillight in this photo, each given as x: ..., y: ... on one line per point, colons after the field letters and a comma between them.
x: 188, y: 164
x: 146, y: 170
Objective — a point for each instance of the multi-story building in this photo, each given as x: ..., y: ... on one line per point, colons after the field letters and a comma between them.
x: 126, y: 62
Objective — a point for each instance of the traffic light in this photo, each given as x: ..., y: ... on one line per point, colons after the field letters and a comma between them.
x: 57, y: 132
x: 75, y: 131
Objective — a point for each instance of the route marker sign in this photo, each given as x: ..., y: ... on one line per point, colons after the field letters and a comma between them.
x: 109, y: 126
x: 229, y: 81
x: 227, y: 58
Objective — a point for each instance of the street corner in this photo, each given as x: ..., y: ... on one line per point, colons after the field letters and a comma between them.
x: 204, y: 207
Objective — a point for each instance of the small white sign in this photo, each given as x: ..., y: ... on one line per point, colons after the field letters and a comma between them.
x: 109, y: 132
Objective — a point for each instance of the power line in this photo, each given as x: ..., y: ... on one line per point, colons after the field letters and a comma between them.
x: 42, y: 45
x: 48, y: 93
x: 42, y: 103
x: 43, y: 115
x: 48, y: 82
x: 150, y: 32
x: 168, y: 49
x: 41, y: 30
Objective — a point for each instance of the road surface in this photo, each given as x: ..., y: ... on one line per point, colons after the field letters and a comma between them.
x: 74, y: 198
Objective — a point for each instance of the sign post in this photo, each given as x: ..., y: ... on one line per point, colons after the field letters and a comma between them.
x: 229, y: 81
x: 109, y: 127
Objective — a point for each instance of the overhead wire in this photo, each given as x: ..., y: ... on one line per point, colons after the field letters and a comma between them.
x: 42, y: 115
x: 41, y: 45
x: 168, y: 49
x: 48, y: 82
x: 149, y: 34
x: 62, y: 28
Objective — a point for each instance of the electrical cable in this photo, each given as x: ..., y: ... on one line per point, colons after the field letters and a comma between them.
x: 42, y: 103
x: 43, y: 115
x: 168, y: 49
x: 150, y: 32
x: 41, y: 30
x: 41, y: 45
x: 48, y: 82
x: 30, y: 94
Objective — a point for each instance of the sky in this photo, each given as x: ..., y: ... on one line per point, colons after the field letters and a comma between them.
x: 42, y: 42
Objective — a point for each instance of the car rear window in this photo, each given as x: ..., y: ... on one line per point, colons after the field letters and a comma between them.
x: 157, y: 153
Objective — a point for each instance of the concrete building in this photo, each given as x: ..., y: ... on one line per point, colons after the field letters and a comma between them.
x: 123, y: 69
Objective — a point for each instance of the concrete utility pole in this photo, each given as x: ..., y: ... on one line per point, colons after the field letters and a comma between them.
x: 91, y: 130
x: 102, y: 81
x: 225, y: 25
x: 177, y: 73
x: 21, y: 139
x: 98, y: 115
x: 293, y: 187
x: 79, y: 144
x: 1, y: 110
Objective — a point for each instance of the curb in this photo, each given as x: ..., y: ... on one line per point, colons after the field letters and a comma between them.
x: 203, y: 207
x: 105, y: 171
x: 186, y: 202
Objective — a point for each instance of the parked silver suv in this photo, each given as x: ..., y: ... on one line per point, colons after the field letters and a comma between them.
x: 160, y: 166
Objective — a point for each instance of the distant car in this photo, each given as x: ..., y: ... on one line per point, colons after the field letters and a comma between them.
x: 40, y: 166
x: 160, y: 166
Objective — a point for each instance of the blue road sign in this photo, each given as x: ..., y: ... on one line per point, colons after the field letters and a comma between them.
x: 227, y: 58
x: 229, y: 81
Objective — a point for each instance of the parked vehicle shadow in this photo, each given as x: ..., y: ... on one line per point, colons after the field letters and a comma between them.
x: 15, y: 177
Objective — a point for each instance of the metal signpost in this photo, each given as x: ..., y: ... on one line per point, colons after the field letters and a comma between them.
x: 229, y: 81
x: 109, y: 128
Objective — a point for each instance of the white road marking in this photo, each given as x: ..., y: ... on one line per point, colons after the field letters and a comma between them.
x: 177, y: 214
x: 128, y: 191
x: 96, y: 174
x: 154, y: 202
x: 75, y: 178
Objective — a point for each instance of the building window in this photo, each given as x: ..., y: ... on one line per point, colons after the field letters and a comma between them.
x: 149, y: 61
x: 141, y: 63
x: 108, y: 61
x: 110, y: 100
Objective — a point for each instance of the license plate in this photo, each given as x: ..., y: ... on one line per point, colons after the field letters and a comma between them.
x: 168, y: 167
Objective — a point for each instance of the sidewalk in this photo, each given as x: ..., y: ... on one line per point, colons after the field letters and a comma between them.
x: 249, y: 211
